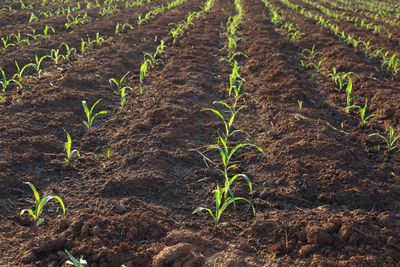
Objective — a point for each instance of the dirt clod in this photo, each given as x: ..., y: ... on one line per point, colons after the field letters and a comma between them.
x: 179, y: 255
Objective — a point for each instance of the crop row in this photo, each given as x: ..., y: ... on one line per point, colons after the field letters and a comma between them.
x: 224, y: 195
x: 342, y: 80
x: 389, y: 60
x: 85, y: 42
x: 119, y: 85
x: 16, y: 39
x: 374, y: 15
x: 26, y: 5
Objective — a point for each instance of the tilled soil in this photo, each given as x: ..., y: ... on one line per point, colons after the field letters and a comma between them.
x: 325, y: 192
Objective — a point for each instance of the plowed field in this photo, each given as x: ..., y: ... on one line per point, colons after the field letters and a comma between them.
x: 326, y: 190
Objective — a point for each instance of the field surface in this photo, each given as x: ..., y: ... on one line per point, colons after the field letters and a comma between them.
x: 324, y: 184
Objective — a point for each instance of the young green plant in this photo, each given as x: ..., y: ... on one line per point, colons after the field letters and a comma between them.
x: 362, y: 111
x: 38, y: 63
x: 56, y: 56
x: 69, y: 51
x: 143, y: 72
x: 226, y: 156
x: 68, y: 146
x: 390, y: 139
x: 89, y: 113
x: 349, y: 97
x: 228, y: 123
x: 39, y: 205
x: 119, y: 84
x: 75, y: 262
x: 20, y: 71
x: 6, y: 82
x: 221, y: 204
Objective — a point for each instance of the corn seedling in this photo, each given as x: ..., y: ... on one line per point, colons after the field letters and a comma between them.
x: 232, y: 42
x: 69, y: 51
x: 120, y: 28
x: 318, y: 67
x: 19, y: 40
x: 189, y: 19
x: 340, y: 78
x: 46, y: 14
x: 23, y: 6
x: 55, y: 55
x: 276, y: 18
x: 33, y: 35
x: 385, y: 57
x: 89, y: 113
x: 377, y: 52
x: 46, y: 31
x: 71, y: 20
x: 143, y: 72
x: 99, y: 40
x: 362, y: 111
x: 39, y: 205
x: 288, y: 26
x: 309, y: 54
x: 349, y: 97
x: 5, y: 9
x: 227, y: 122
x: 234, y: 76
x: 296, y: 35
x: 355, y: 42
x: 123, y: 96
x: 226, y: 155
x: 390, y: 139
x: 6, y: 43
x: 391, y: 62
x: 141, y: 20
x: 175, y: 32
x: 232, y: 56
x: 68, y: 146
x: 153, y: 58
x: 221, y: 204
x: 6, y: 82
x: 367, y: 47
x: 33, y: 17
x: 86, y: 44
x: 377, y: 29
x: 119, y: 83
x: 108, y: 11
x: 160, y: 48
x: 20, y: 71
x: 75, y: 262
x: 395, y: 67
x: 300, y: 103
x: 38, y: 63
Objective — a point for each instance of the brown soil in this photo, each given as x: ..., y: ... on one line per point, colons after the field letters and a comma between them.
x: 324, y: 194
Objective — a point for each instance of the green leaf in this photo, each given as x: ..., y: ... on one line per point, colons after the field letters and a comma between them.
x: 74, y: 261
x: 99, y: 113
x: 215, y: 112
x: 91, y: 109
x: 35, y: 193
x: 223, y: 104
x: 42, y: 203
x: 245, y: 177
x: 206, y: 209
x: 39, y: 222
x: 61, y: 202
